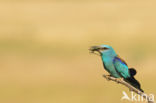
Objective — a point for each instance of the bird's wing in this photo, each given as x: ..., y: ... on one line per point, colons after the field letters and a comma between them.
x: 121, y: 67
x: 123, y: 61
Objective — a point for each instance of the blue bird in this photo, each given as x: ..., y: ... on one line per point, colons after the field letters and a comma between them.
x: 116, y: 66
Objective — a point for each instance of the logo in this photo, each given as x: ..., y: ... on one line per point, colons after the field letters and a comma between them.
x: 135, y: 97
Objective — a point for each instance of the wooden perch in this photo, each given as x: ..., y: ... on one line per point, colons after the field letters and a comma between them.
x: 131, y: 88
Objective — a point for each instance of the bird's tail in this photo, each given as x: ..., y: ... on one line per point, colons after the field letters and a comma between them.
x: 132, y: 71
x: 132, y: 80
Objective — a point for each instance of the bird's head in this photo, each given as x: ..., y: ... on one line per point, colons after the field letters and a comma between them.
x: 104, y: 50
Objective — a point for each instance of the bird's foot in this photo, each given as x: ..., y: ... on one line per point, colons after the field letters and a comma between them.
x: 118, y: 80
x: 107, y: 77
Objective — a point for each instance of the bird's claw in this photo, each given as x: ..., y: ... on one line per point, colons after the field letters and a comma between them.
x: 107, y: 77
x: 118, y: 80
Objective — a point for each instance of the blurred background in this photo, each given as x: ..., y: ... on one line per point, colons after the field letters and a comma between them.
x: 44, y: 55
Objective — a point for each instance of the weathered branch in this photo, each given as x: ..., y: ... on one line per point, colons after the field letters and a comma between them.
x: 131, y: 88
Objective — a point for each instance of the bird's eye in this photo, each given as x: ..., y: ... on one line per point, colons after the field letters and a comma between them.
x: 104, y: 48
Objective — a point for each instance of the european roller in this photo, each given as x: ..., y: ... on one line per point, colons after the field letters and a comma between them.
x: 116, y: 66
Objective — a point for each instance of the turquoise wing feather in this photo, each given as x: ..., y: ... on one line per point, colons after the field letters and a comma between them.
x: 121, y: 67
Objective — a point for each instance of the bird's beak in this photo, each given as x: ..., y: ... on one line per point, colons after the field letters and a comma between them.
x: 95, y: 48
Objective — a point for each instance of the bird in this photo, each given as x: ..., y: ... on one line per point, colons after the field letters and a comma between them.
x: 116, y: 66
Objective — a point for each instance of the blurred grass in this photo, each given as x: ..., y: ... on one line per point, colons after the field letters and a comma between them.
x: 44, y: 49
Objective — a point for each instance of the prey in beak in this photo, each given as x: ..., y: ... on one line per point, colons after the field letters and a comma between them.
x: 95, y: 50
